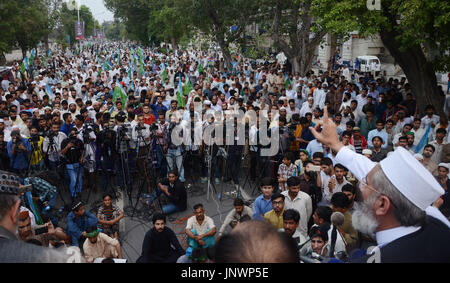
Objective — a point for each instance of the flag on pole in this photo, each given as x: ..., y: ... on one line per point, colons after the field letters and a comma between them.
x: 24, y: 65
x: 49, y: 91
x: 163, y: 73
x: 287, y: 81
x: 33, y: 55
x: 188, y: 87
x: 44, y: 61
x: 119, y: 93
x: 200, y: 68
x: 423, y: 141
x: 180, y: 97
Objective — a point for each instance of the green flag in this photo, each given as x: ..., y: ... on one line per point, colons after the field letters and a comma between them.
x: 119, y: 93
x: 187, y: 87
x: 44, y: 61
x: 164, y: 75
x: 287, y: 82
x: 200, y: 68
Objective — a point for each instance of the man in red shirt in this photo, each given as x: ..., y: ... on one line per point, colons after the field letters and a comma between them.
x: 149, y: 118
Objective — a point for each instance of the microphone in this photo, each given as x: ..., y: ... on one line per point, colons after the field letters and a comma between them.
x: 337, y: 219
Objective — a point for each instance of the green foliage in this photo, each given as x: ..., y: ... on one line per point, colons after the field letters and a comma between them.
x: 417, y: 22
x: 8, y: 8
x: 167, y: 22
x: 68, y: 19
x: 114, y: 30
x: 30, y: 23
x: 134, y: 15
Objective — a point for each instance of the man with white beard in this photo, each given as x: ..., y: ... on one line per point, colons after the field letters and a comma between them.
x: 395, y: 208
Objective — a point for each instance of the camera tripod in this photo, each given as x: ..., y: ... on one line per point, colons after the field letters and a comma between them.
x: 148, y: 180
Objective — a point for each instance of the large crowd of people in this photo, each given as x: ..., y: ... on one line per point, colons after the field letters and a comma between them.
x: 90, y: 119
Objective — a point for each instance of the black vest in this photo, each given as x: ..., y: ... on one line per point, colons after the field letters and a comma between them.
x: 429, y: 244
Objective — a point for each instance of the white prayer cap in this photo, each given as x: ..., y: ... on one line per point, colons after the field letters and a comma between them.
x: 15, y: 127
x: 207, y: 102
x: 413, y: 180
x: 445, y: 165
x: 367, y: 151
x: 2, y: 121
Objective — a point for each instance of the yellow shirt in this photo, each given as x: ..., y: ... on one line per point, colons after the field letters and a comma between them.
x: 272, y: 218
x: 37, y: 154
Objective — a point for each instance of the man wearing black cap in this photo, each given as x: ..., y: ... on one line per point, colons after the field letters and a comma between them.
x: 12, y: 250
x: 77, y: 223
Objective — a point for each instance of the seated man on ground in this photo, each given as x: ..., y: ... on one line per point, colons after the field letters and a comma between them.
x: 100, y: 245
x: 160, y: 243
x: 200, y: 229
x: 175, y: 194
x: 77, y: 223
x: 240, y: 213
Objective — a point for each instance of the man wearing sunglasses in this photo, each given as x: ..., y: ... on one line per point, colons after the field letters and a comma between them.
x: 396, y: 203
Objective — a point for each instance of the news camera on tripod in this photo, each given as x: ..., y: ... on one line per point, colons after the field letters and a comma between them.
x: 87, y: 135
x: 106, y: 141
x: 174, y: 151
x: 72, y: 149
x: 123, y: 144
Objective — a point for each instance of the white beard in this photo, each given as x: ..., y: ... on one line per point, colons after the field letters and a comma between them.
x: 363, y: 218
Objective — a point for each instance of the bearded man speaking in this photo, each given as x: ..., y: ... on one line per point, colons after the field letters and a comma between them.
x: 396, y: 210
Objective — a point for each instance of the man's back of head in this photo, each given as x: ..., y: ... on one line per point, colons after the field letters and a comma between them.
x: 256, y: 242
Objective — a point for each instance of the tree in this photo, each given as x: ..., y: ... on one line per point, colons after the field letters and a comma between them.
x: 114, y: 30
x: 416, y: 33
x: 167, y: 22
x: 134, y: 15
x: 30, y: 22
x: 224, y: 20
x: 53, y: 13
x: 294, y: 30
x: 8, y: 8
x: 69, y: 17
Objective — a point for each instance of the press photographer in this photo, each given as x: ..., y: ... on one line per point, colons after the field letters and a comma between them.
x: 52, y: 146
x: 87, y: 135
x: 37, y: 155
x: 174, y: 152
x: 108, y: 153
x: 141, y: 137
x: 19, y: 149
x: 73, y: 152
x: 124, y: 143
x: 4, y: 157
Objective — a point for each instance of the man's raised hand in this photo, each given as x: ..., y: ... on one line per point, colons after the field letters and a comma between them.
x: 328, y: 136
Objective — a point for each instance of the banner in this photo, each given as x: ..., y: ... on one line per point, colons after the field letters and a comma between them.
x: 79, y: 30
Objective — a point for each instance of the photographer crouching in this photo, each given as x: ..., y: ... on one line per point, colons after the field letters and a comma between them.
x: 19, y: 149
x: 73, y: 151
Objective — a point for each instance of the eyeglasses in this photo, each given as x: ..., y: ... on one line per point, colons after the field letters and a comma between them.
x: 363, y: 183
x: 277, y: 202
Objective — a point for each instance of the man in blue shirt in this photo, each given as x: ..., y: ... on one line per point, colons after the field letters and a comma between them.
x: 77, y: 222
x: 314, y: 146
x: 67, y: 125
x: 378, y: 132
x: 263, y: 203
x: 19, y: 150
x: 158, y: 106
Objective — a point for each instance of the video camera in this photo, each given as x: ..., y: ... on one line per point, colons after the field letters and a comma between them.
x: 87, y: 129
x: 124, y: 131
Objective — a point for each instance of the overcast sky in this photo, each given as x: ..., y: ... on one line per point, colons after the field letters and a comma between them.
x: 98, y: 9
